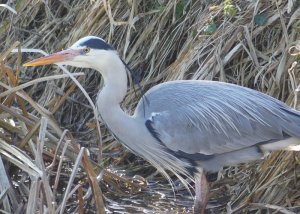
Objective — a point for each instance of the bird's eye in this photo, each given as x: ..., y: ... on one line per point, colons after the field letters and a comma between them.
x: 86, y: 50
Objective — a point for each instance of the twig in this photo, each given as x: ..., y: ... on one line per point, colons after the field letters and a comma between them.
x: 32, y: 82
x: 61, y: 208
x: 273, y: 207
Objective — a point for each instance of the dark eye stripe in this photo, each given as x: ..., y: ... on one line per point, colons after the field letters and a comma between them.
x: 96, y: 44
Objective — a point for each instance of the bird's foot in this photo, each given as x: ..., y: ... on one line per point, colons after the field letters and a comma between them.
x: 201, y: 193
x: 199, y: 208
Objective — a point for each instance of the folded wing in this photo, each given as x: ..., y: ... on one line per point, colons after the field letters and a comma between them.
x: 208, y: 118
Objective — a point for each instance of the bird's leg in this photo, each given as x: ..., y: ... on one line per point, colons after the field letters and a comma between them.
x: 201, y: 193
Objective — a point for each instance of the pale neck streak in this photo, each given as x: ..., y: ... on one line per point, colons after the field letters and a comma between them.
x: 115, y: 83
x: 132, y: 131
x: 110, y: 97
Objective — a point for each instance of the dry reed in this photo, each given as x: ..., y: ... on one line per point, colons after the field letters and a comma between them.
x: 45, y: 120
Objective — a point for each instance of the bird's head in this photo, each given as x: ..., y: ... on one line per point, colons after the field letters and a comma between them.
x: 88, y: 52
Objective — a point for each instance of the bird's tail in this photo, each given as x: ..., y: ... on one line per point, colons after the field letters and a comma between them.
x: 290, y: 144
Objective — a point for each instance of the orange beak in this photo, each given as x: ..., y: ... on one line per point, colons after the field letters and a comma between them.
x: 58, y: 57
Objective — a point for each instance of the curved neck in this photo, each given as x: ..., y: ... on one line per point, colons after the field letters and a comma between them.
x: 115, y: 84
x: 112, y: 94
x: 109, y: 99
x: 131, y: 131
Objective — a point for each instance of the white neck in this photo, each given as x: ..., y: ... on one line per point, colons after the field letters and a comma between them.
x: 115, y: 83
x: 110, y: 97
x: 131, y: 131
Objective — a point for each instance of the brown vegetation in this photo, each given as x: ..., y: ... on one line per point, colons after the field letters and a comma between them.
x: 45, y: 168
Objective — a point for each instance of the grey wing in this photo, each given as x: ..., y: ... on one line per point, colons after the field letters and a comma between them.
x: 206, y: 117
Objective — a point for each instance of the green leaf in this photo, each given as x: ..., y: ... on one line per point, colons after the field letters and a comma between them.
x: 210, y: 28
x: 260, y: 19
x: 179, y: 9
x: 230, y: 10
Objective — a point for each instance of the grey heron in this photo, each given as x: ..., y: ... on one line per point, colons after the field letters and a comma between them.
x: 187, y: 127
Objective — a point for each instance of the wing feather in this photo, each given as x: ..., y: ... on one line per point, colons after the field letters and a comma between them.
x: 210, y: 118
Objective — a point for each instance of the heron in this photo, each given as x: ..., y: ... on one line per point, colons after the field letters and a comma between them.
x: 186, y: 127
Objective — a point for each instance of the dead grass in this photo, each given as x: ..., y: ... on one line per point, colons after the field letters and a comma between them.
x: 161, y: 41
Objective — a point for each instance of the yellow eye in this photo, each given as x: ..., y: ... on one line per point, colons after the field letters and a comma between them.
x: 86, y: 50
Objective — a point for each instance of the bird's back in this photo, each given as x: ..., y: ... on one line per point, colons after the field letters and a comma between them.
x: 178, y: 93
x: 198, y: 120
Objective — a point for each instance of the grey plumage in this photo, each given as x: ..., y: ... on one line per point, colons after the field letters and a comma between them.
x: 213, y: 118
x: 185, y: 126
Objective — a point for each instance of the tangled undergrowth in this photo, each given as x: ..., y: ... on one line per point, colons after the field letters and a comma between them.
x: 46, y: 120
